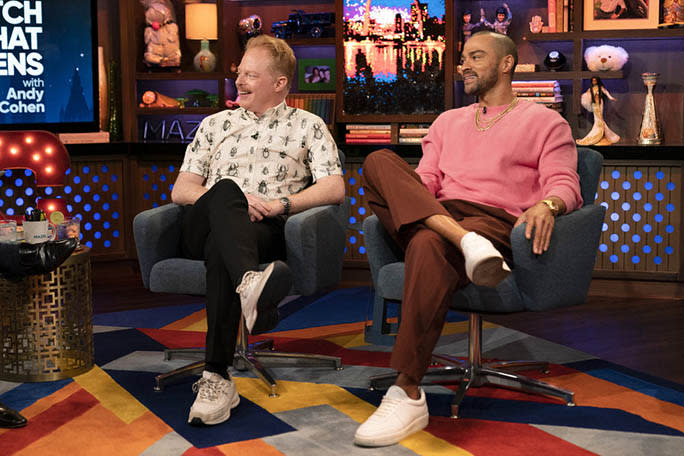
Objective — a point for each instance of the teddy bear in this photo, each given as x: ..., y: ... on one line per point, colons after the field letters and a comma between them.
x: 605, y: 58
x: 161, y: 34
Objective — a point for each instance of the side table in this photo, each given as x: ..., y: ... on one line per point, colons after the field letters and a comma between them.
x: 46, y: 325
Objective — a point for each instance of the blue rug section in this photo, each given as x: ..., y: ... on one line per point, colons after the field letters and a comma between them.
x: 115, y: 344
x: 247, y: 421
x: 148, y: 318
x: 345, y: 305
x: 27, y: 393
x: 643, y: 383
x: 483, y: 408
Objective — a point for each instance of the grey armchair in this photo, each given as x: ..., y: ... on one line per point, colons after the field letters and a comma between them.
x: 558, y: 278
x: 315, y: 241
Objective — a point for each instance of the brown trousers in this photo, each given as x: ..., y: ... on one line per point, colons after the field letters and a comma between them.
x: 434, y: 267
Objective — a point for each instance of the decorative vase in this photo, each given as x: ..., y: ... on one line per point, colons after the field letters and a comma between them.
x: 205, y: 60
x: 650, y: 131
x: 114, y: 115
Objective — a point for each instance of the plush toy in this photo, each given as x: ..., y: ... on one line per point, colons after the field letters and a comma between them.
x: 161, y: 34
x: 605, y: 58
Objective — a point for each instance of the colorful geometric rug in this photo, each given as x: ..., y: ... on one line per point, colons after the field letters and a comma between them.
x: 113, y: 409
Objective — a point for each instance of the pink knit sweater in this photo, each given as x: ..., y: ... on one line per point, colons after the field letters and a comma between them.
x: 526, y: 156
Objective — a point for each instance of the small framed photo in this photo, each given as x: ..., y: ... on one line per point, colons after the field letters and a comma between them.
x: 621, y: 14
x: 316, y: 74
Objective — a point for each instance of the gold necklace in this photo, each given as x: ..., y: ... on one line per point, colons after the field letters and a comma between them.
x: 487, y: 124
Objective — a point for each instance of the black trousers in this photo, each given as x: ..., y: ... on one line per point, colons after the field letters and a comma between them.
x: 217, y: 230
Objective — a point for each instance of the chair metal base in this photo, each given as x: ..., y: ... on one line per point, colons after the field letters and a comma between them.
x: 247, y: 357
x: 472, y: 373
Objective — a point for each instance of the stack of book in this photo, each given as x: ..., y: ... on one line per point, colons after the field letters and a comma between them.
x: 561, y: 16
x: 368, y: 134
x: 547, y: 93
x: 412, y: 133
x: 321, y: 104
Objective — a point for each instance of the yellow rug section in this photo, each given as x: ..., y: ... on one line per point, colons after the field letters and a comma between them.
x: 111, y: 395
x: 196, y: 321
x: 296, y: 395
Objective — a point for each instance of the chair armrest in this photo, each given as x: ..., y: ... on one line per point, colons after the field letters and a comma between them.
x: 315, y: 241
x: 157, y: 236
x: 380, y: 247
x: 569, y: 260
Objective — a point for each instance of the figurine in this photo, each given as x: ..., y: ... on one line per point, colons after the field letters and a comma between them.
x: 467, y: 28
x: 593, y: 100
x: 536, y: 24
x: 555, y: 61
x: 502, y: 21
x: 154, y: 99
x: 161, y: 34
x: 249, y: 27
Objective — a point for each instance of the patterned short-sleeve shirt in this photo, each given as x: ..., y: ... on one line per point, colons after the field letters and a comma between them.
x: 275, y: 155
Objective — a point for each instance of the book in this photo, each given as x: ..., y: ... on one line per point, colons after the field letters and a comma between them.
x: 551, y: 6
x: 369, y: 127
x: 368, y: 141
x: 555, y: 99
x: 410, y: 140
x: 369, y: 132
x: 368, y: 136
x: 535, y: 84
x: 423, y: 131
x: 559, y: 16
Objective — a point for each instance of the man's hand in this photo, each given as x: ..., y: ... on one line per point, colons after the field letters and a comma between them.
x: 540, y: 219
x: 259, y: 208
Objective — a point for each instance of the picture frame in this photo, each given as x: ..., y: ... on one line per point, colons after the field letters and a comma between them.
x: 316, y: 74
x: 638, y: 14
x: 394, y: 60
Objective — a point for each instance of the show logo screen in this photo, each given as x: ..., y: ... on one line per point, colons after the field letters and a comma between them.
x: 394, y: 56
x: 46, y: 62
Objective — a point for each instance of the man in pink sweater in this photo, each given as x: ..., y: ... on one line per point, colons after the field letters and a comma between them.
x: 486, y: 168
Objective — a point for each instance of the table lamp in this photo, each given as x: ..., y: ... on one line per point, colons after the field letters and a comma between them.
x: 201, y: 24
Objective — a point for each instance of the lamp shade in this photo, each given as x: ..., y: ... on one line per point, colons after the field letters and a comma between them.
x: 200, y: 21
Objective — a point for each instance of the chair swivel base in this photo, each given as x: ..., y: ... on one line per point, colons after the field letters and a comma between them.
x: 473, y: 373
x: 257, y: 354
x: 247, y: 357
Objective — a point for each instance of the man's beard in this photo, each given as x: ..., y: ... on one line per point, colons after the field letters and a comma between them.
x: 483, y: 85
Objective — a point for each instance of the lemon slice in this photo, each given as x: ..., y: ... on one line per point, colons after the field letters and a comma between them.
x: 56, y: 217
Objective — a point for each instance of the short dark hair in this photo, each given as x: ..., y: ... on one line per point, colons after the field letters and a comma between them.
x: 504, y: 46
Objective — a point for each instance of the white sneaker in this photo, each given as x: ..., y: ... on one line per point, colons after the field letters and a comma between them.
x: 263, y: 290
x: 216, y: 396
x: 484, y: 264
x: 397, y: 417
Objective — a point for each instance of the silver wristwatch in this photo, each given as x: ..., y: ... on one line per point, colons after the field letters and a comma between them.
x: 285, y: 201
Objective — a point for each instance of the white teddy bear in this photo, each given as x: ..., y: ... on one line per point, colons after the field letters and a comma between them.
x: 161, y: 34
x: 605, y: 58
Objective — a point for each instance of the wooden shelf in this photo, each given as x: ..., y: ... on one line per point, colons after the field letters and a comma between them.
x: 178, y: 75
x: 559, y: 75
x: 311, y: 41
x: 176, y: 111
x: 606, y: 34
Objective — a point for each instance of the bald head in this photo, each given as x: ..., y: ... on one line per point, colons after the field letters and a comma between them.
x: 502, y: 46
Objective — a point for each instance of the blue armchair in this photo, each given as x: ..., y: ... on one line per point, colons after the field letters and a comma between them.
x: 558, y: 278
x: 315, y: 241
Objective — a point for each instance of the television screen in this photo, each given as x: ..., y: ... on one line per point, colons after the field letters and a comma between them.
x: 48, y: 65
x: 394, y: 56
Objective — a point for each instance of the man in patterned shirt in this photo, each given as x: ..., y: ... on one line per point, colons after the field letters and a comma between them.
x: 244, y: 172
